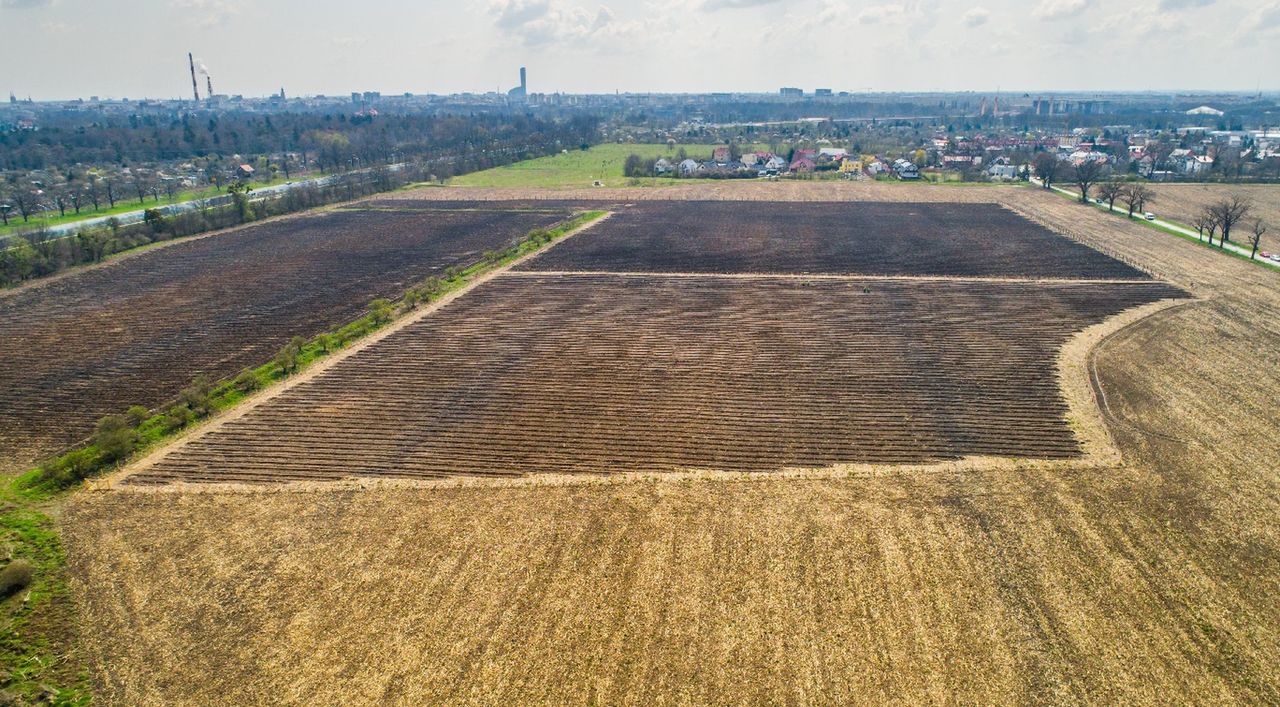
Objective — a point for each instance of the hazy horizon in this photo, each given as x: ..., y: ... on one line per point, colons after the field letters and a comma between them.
x: 137, y: 48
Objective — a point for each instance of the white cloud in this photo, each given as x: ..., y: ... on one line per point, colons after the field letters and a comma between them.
x: 207, y: 13
x: 23, y: 4
x: 511, y: 14
x: 1058, y: 9
x: 1265, y: 18
x: 1171, y: 5
x: 879, y: 13
x: 542, y: 22
x: 977, y: 16
x: 713, y: 5
x: 349, y: 41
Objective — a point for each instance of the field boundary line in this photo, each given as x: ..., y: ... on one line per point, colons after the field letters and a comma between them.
x: 243, y: 407
x: 838, y: 277
x: 835, y: 472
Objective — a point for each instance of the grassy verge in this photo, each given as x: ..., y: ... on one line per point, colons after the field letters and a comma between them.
x: 37, y: 641
x: 128, y: 205
x: 37, y: 638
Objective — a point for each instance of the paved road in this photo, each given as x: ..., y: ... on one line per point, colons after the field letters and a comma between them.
x: 69, y: 229
x: 1075, y: 194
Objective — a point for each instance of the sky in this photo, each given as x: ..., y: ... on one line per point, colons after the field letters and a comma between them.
x: 60, y: 49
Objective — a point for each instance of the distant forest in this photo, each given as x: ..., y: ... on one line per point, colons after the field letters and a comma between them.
x: 330, y: 141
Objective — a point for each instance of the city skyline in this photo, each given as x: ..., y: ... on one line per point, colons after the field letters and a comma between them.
x: 663, y: 46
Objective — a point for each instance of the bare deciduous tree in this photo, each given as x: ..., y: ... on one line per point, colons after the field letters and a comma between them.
x: 1047, y: 167
x: 1210, y: 222
x: 1259, y: 229
x: 1109, y: 191
x: 1230, y: 211
x: 1136, y: 196
x: 1086, y: 174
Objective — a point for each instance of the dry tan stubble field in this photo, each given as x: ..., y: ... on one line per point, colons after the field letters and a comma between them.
x: 1151, y: 580
x: 1182, y: 202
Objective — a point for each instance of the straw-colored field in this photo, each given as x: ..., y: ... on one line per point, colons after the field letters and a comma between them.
x: 1154, y: 579
x: 1181, y: 202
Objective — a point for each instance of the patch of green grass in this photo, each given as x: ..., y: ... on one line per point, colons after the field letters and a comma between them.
x: 37, y: 639
x: 579, y: 168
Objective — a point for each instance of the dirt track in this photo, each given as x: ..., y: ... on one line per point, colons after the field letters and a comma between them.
x: 1153, y: 581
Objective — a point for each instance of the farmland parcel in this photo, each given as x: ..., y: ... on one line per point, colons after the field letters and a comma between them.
x: 137, y: 330
x: 1148, y: 579
x: 654, y: 369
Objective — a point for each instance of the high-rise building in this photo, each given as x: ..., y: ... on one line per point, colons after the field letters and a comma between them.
x: 522, y: 90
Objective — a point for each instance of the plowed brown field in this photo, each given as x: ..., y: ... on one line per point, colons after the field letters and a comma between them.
x: 1154, y: 579
x: 547, y: 374
x: 137, y: 330
x: 866, y: 238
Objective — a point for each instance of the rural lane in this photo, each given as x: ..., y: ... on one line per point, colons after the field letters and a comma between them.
x: 1162, y: 223
x: 69, y: 229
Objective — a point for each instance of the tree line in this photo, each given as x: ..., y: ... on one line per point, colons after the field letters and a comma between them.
x: 79, y: 168
x: 1219, y: 217
x: 39, y: 252
x: 70, y: 138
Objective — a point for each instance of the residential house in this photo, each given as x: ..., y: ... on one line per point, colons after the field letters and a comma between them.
x: 662, y: 166
x: 1003, y: 172
x: 688, y: 167
x: 803, y: 164
x: 720, y: 154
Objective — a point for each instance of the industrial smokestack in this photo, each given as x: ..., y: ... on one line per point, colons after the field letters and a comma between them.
x: 208, y: 86
x: 195, y: 88
x: 524, y: 87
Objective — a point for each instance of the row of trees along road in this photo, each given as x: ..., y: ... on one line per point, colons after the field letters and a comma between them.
x: 1221, y: 216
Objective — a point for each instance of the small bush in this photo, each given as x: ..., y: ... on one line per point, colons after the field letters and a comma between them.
x: 15, y: 577
x: 411, y: 300
x: 137, y: 415
x: 196, y: 397
x: 327, y: 342
x: 288, y: 357
x: 177, y: 417
x: 246, y: 382
x: 114, y: 437
x: 380, y: 310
